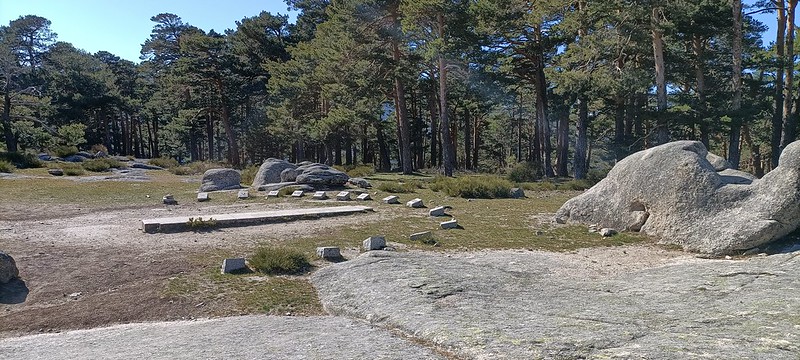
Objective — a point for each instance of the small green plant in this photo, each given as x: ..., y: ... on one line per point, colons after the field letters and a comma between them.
x: 164, y: 162
x: 200, y: 224
x: 285, y: 191
x: 63, y: 151
x: 279, y: 260
x: 524, y: 172
x: 21, y: 160
x: 399, y: 187
x: 249, y: 174
x: 6, y: 167
x: 478, y: 187
x: 72, y: 169
x: 96, y: 165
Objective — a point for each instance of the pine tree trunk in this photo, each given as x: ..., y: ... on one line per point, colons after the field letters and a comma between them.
x: 400, y: 104
x: 789, y: 121
x: 432, y: 107
x: 11, y: 139
x: 562, y: 144
x: 734, y: 152
x: 383, y: 148
x: 777, y: 117
x: 448, y: 148
x: 467, y: 141
x: 542, y: 121
x: 582, y: 139
x: 662, y: 124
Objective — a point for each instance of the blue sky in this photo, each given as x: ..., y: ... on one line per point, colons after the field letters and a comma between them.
x: 121, y: 26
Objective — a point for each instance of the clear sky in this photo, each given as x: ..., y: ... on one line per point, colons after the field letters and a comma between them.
x: 121, y: 26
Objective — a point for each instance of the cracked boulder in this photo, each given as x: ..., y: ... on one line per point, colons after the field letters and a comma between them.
x: 686, y: 196
x: 270, y: 172
x: 221, y: 179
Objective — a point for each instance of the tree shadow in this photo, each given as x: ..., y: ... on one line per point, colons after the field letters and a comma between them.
x: 13, y: 292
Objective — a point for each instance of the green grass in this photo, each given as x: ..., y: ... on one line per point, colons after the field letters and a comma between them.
x: 101, y: 165
x: 398, y: 187
x: 276, y: 260
x: 249, y: 174
x: 477, y: 187
x: 72, y: 169
x: 196, y: 167
x: 164, y: 162
x: 21, y: 160
x: 6, y: 167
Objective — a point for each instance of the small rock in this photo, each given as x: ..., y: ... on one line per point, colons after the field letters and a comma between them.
x: 298, y: 193
x: 606, y: 232
x: 273, y: 193
x: 374, y: 243
x: 425, y: 235
x: 55, y: 172
x: 452, y: 224
x: 320, y: 195
x: 362, y: 183
x: 437, y: 211
x: 415, y: 203
x: 243, y: 194
x: 392, y: 199
x: 343, y: 196
x: 75, y: 295
x: 517, y: 193
x: 329, y: 252
x: 202, y: 196
x: 169, y: 200
x: 8, y: 268
x: 232, y: 264
x: 364, y: 197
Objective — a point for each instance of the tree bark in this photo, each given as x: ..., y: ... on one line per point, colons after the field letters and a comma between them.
x: 448, y: 148
x: 582, y: 139
x: 542, y: 122
x: 432, y: 107
x: 383, y: 148
x: 467, y: 141
x: 662, y: 124
x: 562, y: 144
x: 789, y: 121
x: 777, y: 117
x: 734, y: 152
x: 400, y: 102
x: 11, y: 139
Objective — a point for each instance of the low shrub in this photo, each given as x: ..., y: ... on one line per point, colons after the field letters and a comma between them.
x: 397, y: 187
x: 98, y: 148
x: 524, y: 172
x: 196, y: 167
x: 164, y: 162
x: 199, y: 223
x: 21, y: 160
x: 72, y: 169
x: 478, y: 187
x: 279, y: 260
x: 358, y: 171
x: 249, y: 174
x: 551, y: 185
x: 6, y: 167
x: 102, y: 164
x: 64, y: 151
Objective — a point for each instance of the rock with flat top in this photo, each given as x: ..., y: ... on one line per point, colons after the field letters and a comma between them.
x: 437, y: 211
x: 243, y: 194
x: 233, y: 265
x: 674, y: 192
x: 320, y: 195
x: 316, y: 174
x: 451, y: 224
x: 364, y: 197
x: 415, y: 203
x: 391, y: 199
x: 329, y: 252
x: 202, y: 196
x: 343, y: 196
x: 374, y: 243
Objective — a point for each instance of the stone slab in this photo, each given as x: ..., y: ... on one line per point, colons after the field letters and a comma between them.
x: 329, y: 252
x: 364, y: 197
x: 437, y: 211
x: 320, y: 195
x: 243, y: 194
x: 232, y: 264
x: 374, y: 243
x: 298, y: 193
x: 451, y: 224
x: 343, y: 196
x: 273, y: 193
x: 425, y: 235
x: 392, y: 199
x: 415, y: 203
x: 179, y: 223
x: 202, y: 196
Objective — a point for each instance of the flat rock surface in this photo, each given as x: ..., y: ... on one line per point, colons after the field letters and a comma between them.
x: 245, y: 337
x: 526, y: 304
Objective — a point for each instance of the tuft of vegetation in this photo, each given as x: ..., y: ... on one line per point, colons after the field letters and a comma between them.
x: 63, y: 151
x: 477, y: 187
x: 398, y: 187
x: 554, y: 185
x: 359, y: 171
x: 98, y: 148
x: 199, y: 223
x: 6, y: 167
x: 21, y: 160
x: 524, y: 172
x: 249, y: 174
x: 164, y: 162
x: 72, y: 169
x: 96, y: 165
x: 196, y: 167
x: 279, y: 260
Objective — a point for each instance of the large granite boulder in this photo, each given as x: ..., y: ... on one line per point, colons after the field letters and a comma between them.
x: 8, y: 268
x: 270, y: 172
x: 221, y: 179
x: 686, y: 196
x: 320, y: 174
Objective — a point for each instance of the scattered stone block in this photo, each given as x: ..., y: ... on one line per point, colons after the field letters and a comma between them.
x: 392, y: 199
x: 232, y: 264
x: 55, y: 172
x: 202, y: 196
x: 517, y: 193
x: 606, y: 232
x: 298, y: 193
x: 320, y: 195
x: 415, y: 203
x: 364, y: 197
x: 420, y: 236
x: 273, y: 193
x: 437, y: 211
x: 243, y: 194
x: 343, y: 196
x: 329, y: 252
x: 169, y: 200
x: 362, y: 183
x: 452, y: 224
x: 374, y: 243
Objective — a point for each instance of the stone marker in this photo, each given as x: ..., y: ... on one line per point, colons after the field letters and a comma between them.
x: 425, y: 235
x: 320, y: 195
x: 606, y: 232
x: 232, y: 264
x: 437, y: 211
x: 392, y: 199
x: 343, y: 196
x: 169, y: 200
x: 243, y: 194
x: 55, y: 172
x: 298, y: 193
x: 329, y: 252
x: 273, y: 193
x: 452, y: 224
x: 202, y: 196
x: 415, y: 203
x: 517, y: 193
x: 374, y: 243
x: 364, y: 197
